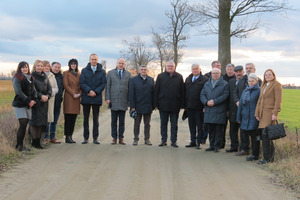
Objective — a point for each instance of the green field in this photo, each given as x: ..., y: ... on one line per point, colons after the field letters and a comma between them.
x: 290, y: 111
x: 6, y: 95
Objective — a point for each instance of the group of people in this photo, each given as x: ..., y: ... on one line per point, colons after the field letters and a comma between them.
x: 209, y: 101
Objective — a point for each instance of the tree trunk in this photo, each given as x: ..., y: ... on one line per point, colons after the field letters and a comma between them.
x: 224, y: 52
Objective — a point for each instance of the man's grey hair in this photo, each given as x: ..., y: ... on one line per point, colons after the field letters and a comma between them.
x: 250, y: 64
x: 170, y: 61
x: 195, y: 65
x: 216, y: 69
x: 214, y: 62
x: 93, y: 54
x: 142, y: 66
x: 230, y: 65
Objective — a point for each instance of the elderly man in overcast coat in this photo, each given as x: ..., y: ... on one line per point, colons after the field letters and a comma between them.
x: 92, y: 83
x: 193, y: 86
x: 169, y: 98
x: 116, y: 96
x: 214, y: 97
x: 141, y: 91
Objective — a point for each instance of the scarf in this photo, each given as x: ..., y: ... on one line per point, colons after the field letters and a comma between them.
x: 247, y: 92
x: 74, y: 73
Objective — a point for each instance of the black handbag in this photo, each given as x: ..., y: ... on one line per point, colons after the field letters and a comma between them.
x: 276, y: 131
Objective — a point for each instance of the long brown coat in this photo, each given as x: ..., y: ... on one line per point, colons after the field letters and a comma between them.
x: 71, y: 85
x: 269, y: 103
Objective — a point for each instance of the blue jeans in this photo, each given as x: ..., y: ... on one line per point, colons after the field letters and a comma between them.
x: 53, y: 124
x: 114, y: 123
x: 164, y: 118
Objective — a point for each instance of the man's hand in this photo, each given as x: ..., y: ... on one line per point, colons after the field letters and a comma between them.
x: 92, y: 93
x: 237, y: 103
x: 107, y: 101
x: 44, y: 98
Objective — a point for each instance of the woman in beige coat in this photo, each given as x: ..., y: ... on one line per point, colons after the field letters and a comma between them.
x: 54, y: 87
x: 267, y: 110
x: 71, y: 98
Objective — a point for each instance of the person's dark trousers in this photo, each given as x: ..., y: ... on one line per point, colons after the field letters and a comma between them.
x: 268, y: 147
x: 224, y: 134
x: 70, y: 120
x: 234, y: 138
x: 137, y: 122
x: 21, y: 131
x: 255, y: 143
x: 195, y: 119
x: 245, y: 141
x: 53, y: 124
x: 164, y: 118
x: 86, y: 115
x: 215, y: 135
x: 205, y: 132
x: 114, y: 122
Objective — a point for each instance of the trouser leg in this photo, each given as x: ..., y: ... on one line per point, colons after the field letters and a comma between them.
x: 96, y: 109
x: 174, y: 125
x: 192, y: 125
x: 136, y: 127
x: 147, y: 119
x: 234, y: 130
x: 86, y: 115
x: 164, y: 117
x: 121, y: 114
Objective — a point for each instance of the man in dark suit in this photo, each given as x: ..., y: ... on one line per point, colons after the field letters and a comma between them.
x: 193, y: 86
x: 141, y: 91
x: 234, y: 126
x: 92, y: 83
x: 169, y: 98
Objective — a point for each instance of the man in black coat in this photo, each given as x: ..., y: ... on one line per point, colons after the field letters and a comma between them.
x: 214, y: 97
x: 169, y: 98
x: 234, y: 126
x: 193, y: 86
x: 141, y: 91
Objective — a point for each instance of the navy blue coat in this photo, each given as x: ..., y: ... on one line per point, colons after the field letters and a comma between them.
x: 141, y: 94
x: 59, y: 94
x: 215, y: 114
x: 246, y: 112
x: 90, y: 81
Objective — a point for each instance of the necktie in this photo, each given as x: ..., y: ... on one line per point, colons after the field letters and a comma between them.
x: 120, y: 74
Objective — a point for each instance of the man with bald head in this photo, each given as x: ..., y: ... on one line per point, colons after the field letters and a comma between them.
x: 92, y: 83
x: 116, y: 96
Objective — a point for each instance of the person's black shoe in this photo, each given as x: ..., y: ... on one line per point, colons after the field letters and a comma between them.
x: 251, y: 158
x: 192, y: 144
x: 162, y: 144
x: 216, y: 150
x: 209, y: 149
x: 85, y: 141
x: 262, y: 162
x: 96, y: 142
x: 72, y: 139
x: 173, y: 144
x: 231, y: 150
x: 199, y: 146
x: 68, y: 140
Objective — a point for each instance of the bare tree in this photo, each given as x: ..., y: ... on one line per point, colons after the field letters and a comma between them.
x: 136, y: 53
x: 180, y: 18
x: 164, y: 50
x: 236, y: 18
x: 103, y: 63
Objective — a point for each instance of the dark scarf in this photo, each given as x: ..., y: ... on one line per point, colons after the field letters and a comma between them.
x: 248, y: 91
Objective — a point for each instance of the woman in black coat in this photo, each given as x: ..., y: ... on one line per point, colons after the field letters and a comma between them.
x: 40, y: 110
x: 23, y: 101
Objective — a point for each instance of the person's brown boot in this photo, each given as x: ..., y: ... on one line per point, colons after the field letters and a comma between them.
x: 114, y: 141
x: 121, y: 141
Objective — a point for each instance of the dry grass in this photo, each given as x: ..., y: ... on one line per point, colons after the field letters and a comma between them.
x: 287, y: 162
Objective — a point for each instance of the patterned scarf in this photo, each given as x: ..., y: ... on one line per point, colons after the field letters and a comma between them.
x: 248, y: 91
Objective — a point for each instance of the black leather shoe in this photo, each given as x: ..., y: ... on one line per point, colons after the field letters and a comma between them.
x: 173, y: 144
x: 191, y: 145
x: 85, y: 141
x: 216, y: 150
x: 68, y: 140
x: 209, y: 149
x: 199, y: 146
x: 96, y: 142
x: 72, y: 139
x: 262, y: 162
x: 162, y: 144
x: 251, y: 158
x: 231, y: 150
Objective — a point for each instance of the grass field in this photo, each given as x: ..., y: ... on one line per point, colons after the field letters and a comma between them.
x: 6, y: 95
x: 290, y: 111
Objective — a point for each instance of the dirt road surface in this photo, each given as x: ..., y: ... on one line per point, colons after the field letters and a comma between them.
x: 105, y: 171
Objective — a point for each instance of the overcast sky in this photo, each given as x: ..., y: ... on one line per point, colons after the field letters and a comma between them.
x: 59, y: 30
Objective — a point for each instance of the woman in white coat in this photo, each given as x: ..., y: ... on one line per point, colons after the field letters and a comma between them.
x: 54, y: 87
